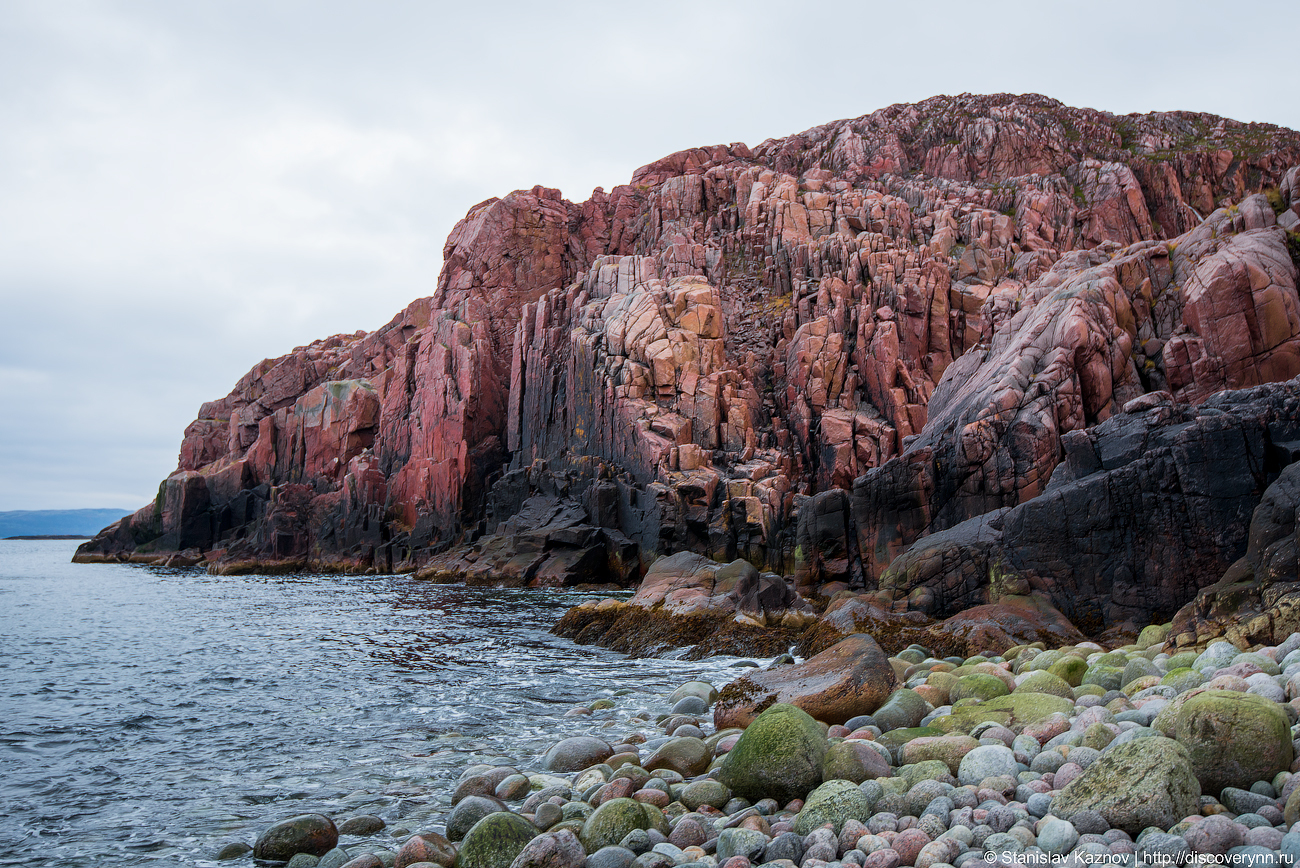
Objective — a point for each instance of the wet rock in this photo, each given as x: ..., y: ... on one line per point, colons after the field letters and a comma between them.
x: 552, y: 850
x: 687, y: 756
x: 494, y: 841
x: 308, y: 833
x: 365, y: 860
x: 233, y: 850
x: 850, y: 678
x: 365, y: 824
x: 469, y: 811
x: 576, y: 753
x: 426, y: 847
x: 611, y: 823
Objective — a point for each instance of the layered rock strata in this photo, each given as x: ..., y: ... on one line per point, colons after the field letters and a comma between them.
x: 927, y: 355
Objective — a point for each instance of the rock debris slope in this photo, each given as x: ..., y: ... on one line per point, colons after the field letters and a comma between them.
x: 933, y: 353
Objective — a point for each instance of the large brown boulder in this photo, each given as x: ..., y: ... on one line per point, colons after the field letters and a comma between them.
x: 850, y: 678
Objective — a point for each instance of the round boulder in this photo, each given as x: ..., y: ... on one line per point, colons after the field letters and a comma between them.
x: 552, y: 850
x: 1234, y: 739
x: 986, y: 761
x: 577, y: 753
x: 853, y: 760
x: 701, y: 689
x: 426, y: 847
x: 834, y: 802
x: 469, y: 811
x: 688, y: 756
x: 307, y: 833
x: 1042, y: 681
x: 779, y: 756
x: 495, y: 841
x: 904, y: 709
x: 611, y: 823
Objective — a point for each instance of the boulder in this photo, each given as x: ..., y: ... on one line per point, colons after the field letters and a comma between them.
x: 850, y: 678
x: 779, y: 756
x: 576, y: 753
x: 853, y: 760
x: 1015, y: 711
x: 610, y: 823
x: 1146, y: 782
x: 315, y: 834
x: 688, y: 756
x: 495, y: 841
x: 1234, y: 739
x: 560, y: 849
x: 834, y: 802
x: 426, y: 847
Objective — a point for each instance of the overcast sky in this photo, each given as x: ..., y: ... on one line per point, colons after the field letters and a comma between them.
x: 189, y: 187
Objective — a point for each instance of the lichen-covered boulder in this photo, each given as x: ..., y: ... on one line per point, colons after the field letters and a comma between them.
x: 948, y: 749
x: 854, y: 760
x: 779, y: 756
x: 1042, y: 681
x: 850, y: 678
x: 1014, y: 711
x: 1234, y: 739
x: 903, y: 709
x: 307, y: 833
x: 833, y: 802
x: 1146, y: 782
x: 978, y: 685
x: 612, y: 821
x: 1070, y: 668
x: 495, y: 841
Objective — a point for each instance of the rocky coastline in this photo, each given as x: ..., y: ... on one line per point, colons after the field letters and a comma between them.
x: 921, y: 355
x: 954, y: 399
x: 853, y: 759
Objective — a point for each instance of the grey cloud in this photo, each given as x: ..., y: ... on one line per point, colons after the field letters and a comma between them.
x: 191, y: 187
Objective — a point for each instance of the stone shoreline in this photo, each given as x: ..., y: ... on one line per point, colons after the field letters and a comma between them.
x: 858, y: 760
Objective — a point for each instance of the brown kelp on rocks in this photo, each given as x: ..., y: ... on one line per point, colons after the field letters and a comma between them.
x: 1078, y: 752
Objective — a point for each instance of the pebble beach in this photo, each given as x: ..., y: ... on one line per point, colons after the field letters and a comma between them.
x: 1077, y: 756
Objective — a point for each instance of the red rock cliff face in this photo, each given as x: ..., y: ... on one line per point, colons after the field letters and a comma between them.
x: 810, y: 354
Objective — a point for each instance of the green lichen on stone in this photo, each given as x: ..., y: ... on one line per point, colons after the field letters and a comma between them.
x: 494, y: 841
x: 779, y: 756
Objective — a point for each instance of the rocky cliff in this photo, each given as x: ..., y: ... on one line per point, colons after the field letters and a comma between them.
x: 925, y: 355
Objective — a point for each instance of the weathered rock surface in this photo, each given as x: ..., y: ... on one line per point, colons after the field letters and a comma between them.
x: 815, y: 355
x: 850, y: 678
x: 1147, y: 782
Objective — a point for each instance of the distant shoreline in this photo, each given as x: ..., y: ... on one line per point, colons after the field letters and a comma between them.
x: 52, y: 536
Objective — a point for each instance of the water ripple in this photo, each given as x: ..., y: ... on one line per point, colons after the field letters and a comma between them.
x: 147, y: 714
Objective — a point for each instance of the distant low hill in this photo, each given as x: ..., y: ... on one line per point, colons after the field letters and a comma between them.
x: 57, y: 522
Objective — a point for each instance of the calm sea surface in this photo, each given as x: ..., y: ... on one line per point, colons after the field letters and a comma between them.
x: 149, y: 714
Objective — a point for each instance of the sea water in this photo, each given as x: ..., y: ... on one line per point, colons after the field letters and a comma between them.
x: 149, y: 714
